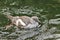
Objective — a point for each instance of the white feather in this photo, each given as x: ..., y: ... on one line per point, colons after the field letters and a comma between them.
x: 22, y: 23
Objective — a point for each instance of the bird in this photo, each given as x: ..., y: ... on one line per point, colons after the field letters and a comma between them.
x: 30, y: 22
x: 23, y: 21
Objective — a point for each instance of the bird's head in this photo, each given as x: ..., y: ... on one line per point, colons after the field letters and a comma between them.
x: 35, y: 18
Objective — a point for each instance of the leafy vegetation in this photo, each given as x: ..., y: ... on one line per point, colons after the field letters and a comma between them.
x: 48, y: 8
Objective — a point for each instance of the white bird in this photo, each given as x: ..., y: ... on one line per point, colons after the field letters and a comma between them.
x: 28, y: 22
x: 23, y: 21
